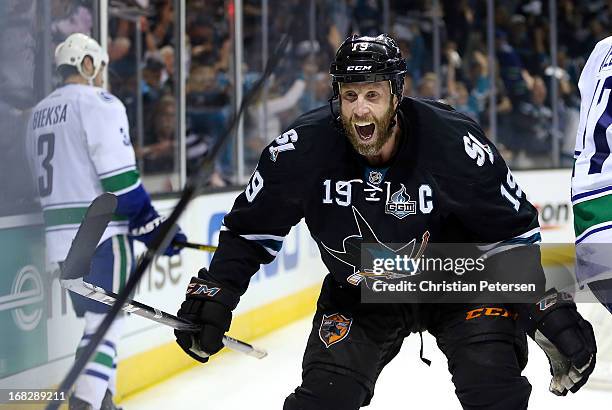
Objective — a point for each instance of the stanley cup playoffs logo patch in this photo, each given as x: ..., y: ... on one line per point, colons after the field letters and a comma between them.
x: 399, y: 204
x: 334, y: 328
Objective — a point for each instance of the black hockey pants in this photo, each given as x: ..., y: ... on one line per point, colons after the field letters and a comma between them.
x: 350, y: 343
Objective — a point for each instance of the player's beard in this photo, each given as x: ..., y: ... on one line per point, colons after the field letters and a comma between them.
x: 382, y: 132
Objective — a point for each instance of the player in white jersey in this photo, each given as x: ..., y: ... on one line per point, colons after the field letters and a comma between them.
x: 592, y: 176
x: 80, y: 144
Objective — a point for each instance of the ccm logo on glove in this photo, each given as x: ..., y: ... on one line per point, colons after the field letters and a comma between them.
x: 201, y: 289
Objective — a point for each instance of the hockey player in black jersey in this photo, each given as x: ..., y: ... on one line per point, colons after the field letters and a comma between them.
x: 379, y: 167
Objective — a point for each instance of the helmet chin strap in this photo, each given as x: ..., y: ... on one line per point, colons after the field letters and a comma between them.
x: 89, y: 78
x: 393, y: 123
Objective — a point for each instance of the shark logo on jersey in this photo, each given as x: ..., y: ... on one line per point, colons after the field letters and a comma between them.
x: 399, y: 204
x: 359, y: 252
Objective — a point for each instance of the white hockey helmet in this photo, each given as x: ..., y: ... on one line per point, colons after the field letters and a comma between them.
x: 74, y: 49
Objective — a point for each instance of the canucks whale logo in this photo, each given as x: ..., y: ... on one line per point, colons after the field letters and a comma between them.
x: 399, y: 204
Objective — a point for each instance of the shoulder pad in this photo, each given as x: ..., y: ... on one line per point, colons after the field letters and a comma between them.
x: 449, y: 142
x: 308, y: 143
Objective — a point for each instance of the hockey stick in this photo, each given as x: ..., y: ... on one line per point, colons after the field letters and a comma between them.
x: 109, y: 298
x: 168, y: 228
x: 98, y: 215
x: 198, y: 246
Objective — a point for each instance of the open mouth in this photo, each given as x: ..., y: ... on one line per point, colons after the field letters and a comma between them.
x: 365, y: 130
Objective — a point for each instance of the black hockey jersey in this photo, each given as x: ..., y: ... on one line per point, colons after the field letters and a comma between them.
x: 446, y: 183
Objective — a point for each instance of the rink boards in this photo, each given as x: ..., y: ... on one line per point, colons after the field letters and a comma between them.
x: 279, y: 293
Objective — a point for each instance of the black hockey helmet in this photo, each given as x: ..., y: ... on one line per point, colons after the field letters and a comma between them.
x: 364, y: 58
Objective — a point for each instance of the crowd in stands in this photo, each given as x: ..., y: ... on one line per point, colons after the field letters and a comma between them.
x: 522, y: 58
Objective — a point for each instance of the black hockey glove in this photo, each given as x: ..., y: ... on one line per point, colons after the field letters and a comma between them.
x: 566, y: 338
x: 208, y: 304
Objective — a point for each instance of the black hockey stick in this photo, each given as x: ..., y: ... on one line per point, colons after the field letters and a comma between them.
x: 140, y: 309
x: 168, y: 228
x: 78, y: 262
x: 192, y: 245
x: 98, y: 215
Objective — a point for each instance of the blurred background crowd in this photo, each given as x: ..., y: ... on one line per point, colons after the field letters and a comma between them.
x: 447, y: 45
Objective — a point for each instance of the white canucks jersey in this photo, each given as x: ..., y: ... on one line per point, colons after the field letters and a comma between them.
x: 80, y: 147
x: 593, y: 168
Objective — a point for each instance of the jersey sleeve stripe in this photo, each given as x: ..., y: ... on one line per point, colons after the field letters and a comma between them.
x: 594, y: 229
x: 270, y: 251
x: 585, y: 196
x: 102, y: 348
x: 117, y: 171
x: 68, y: 216
x: 120, y: 182
x: 72, y: 204
x: 75, y: 227
x: 271, y: 243
x: 588, y: 214
x: 263, y: 238
x: 528, y: 238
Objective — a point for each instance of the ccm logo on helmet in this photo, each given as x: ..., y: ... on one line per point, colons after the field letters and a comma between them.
x: 358, y: 68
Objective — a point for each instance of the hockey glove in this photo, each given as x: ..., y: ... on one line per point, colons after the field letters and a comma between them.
x: 150, y: 228
x: 566, y: 338
x: 208, y: 304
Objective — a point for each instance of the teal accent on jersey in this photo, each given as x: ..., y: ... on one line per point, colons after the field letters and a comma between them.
x: 69, y: 216
x: 593, y: 212
x: 121, y: 181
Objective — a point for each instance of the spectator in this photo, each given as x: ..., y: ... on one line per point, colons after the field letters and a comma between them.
x: 207, y: 101
x: 428, y: 86
x: 315, y: 94
x: 208, y: 104
x: 408, y: 86
x: 521, y: 55
x: 271, y: 126
x: 162, y: 25
x: 533, y: 128
x: 511, y: 69
x: 478, y: 78
x: 204, y: 50
x: 459, y: 98
x: 368, y: 17
x: 76, y: 19
x: 166, y: 53
x: 159, y: 152
x: 151, y: 83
